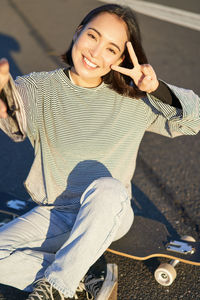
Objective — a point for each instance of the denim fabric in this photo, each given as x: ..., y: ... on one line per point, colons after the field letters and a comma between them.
x: 62, y: 244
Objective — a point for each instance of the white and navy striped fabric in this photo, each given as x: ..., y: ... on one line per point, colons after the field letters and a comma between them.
x: 81, y: 134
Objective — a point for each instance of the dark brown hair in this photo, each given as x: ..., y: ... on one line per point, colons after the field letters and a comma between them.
x: 120, y: 83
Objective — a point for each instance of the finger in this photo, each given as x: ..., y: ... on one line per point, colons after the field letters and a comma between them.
x: 148, y: 84
x: 147, y: 70
x: 4, y: 72
x: 145, y: 80
x: 4, y: 66
x: 122, y: 70
x: 3, y: 110
x: 132, y: 54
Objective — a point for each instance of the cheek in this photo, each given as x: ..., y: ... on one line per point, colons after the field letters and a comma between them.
x: 77, y: 50
x: 110, y: 60
x: 74, y: 50
x: 78, y: 45
x: 82, y: 43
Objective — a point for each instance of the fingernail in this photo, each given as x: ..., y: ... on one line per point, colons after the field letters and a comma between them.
x: 3, y: 59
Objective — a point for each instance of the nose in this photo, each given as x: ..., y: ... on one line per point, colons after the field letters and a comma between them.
x: 96, y: 50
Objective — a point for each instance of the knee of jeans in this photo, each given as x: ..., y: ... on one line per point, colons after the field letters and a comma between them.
x: 109, y: 183
x: 105, y: 191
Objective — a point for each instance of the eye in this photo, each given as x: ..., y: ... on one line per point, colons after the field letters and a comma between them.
x: 91, y: 36
x: 111, y: 50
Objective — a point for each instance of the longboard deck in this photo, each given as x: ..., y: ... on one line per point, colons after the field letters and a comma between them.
x: 148, y: 238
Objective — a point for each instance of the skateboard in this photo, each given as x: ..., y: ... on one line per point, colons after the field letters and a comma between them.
x: 146, y: 239
x: 150, y: 238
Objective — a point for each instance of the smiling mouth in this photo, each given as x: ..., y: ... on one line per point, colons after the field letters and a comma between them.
x: 89, y: 63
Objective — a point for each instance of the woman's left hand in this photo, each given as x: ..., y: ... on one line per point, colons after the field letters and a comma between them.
x: 143, y: 76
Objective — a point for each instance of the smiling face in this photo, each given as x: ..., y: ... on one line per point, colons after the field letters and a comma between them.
x: 98, y: 46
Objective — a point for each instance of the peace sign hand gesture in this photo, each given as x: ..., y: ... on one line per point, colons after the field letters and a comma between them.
x: 143, y: 76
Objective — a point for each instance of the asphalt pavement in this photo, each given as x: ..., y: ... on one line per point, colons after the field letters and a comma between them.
x: 33, y: 35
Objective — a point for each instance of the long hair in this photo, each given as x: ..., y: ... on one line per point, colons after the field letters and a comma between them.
x: 119, y: 82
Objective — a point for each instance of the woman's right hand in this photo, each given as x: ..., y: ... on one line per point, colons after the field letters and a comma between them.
x: 4, y: 77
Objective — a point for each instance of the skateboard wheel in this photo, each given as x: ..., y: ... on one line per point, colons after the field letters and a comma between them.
x: 188, y: 238
x: 165, y: 274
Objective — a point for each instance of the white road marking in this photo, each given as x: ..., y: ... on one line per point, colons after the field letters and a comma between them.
x: 166, y: 13
x: 16, y: 204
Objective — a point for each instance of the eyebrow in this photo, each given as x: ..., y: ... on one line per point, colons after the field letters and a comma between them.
x: 101, y: 35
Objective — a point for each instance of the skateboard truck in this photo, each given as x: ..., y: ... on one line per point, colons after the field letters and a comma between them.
x: 165, y: 274
x: 180, y: 247
x: 140, y: 247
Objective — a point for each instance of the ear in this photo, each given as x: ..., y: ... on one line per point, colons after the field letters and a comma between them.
x: 77, y: 32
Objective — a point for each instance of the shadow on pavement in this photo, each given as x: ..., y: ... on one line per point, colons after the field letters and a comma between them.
x: 9, y: 45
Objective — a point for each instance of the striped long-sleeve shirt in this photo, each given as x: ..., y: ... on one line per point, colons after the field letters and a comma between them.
x: 80, y: 134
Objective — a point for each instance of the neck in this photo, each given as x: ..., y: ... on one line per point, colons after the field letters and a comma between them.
x: 78, y: 80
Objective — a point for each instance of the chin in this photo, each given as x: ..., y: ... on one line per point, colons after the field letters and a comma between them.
x: 86, y: 74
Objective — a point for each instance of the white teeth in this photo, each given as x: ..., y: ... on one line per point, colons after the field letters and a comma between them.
x: 89, y: 63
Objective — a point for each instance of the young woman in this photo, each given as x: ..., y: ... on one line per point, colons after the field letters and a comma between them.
x: 85, y: 123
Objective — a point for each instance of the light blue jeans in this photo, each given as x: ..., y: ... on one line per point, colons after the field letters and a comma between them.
x: 62, y: 245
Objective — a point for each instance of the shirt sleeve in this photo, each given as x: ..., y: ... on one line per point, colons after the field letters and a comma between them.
x: 21, y: 99
x: 27, y: 87
x: 15, y: 124
x: 165, y: 94
x: 170, y: 121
